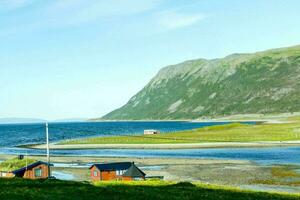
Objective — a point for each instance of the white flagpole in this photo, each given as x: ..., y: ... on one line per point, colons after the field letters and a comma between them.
x: 48, y: 151
x: 26, y: 159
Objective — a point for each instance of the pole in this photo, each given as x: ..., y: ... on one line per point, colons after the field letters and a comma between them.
x: 26, y: 159
x: 48, y: 151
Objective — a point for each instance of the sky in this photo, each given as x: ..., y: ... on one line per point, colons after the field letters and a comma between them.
x: 63, y: 59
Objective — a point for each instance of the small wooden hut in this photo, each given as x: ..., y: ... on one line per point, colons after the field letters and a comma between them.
x: 127, y: 171
x: 35, y: 170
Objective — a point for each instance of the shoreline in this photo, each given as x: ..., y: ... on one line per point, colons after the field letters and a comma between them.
x: 169, y: 146
x: 243, y: 174
x: 138, y: 160
x: 249, y: 117
x: 193, y: 120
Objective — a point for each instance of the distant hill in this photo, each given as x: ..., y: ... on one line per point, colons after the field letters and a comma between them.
x: 20, y: 120
x: 264, y: 82
x: 71, y: 120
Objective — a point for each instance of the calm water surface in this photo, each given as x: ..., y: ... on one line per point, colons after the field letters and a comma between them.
x: 274, y: 155
x: 14, y: 135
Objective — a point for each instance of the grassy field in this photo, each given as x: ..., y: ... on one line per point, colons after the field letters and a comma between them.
x: 15, y: 163
x: 282, y: 175
x: 53, y: 189
x: 234, y: 132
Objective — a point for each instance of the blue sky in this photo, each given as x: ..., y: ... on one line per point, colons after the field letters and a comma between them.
x: 79, y: 58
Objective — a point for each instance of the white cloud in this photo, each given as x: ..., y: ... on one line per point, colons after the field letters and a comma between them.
x: 173, y: 20
x: 67, y: 13
x: 72, y: 12
x: 13, y: 4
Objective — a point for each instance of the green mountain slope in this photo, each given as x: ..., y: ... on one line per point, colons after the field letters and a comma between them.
x: 264, y: 82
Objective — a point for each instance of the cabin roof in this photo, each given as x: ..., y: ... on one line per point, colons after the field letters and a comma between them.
x: 131, y: 169
x: 113, y: 166
x: 134, y: 171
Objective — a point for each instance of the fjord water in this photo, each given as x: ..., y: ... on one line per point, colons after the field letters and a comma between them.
x: 21, y: 134
x: 265, y: 156
x: 15, y: 135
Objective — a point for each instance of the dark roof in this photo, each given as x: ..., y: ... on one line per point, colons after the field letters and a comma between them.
x: 134, y: 171
x: 131, y: 169
x: 30, y: 167
x: 113, y: 166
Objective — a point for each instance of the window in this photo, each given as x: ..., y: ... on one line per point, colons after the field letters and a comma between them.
x: 95, y: 173
x: 38, y: 172
x: 120, y: 172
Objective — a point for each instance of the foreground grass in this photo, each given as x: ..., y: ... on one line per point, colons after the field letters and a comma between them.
x: 235, y: 132
x: 53, y: 189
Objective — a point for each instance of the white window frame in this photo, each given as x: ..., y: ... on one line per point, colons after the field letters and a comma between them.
x: 95, y: 172
x: 120, y: 172
x: 40, y: 172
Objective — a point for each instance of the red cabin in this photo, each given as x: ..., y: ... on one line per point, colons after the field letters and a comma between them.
x: 36, y: 170
x: 116, y: 171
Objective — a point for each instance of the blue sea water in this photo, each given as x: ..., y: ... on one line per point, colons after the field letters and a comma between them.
x: 14, y: 135
x: 21, y: 134
x: 265, y: 156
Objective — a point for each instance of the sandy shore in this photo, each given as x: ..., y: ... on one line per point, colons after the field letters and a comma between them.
x: 238, y: 173
x: 175, y: 169
x: 140, y: 161
x: 170, y: 146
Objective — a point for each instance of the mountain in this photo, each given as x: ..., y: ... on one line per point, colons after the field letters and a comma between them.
x: 20, y: 120
x: 70, y: 120
x: 260, y: 83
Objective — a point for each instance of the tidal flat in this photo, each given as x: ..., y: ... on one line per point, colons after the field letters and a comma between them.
x: 237, y: 173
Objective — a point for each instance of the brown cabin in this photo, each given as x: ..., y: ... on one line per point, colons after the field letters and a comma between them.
x: 126, y: 171
x: 36, y: 170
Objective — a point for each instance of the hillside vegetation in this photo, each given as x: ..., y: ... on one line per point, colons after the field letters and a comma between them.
x: 51, y: 189
x: 14, y: 164
x: 260, y: 83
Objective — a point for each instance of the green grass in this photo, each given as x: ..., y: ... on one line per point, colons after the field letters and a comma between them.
x: 284, y: 172
x: 15, y: 163
x: 277, y: 182
x: 18, y: 189
x: 282, y: 175
x: 235, y: 132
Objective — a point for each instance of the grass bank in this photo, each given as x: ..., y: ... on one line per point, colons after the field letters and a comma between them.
x: 235, y: 132
x: 54, y: 189
x: 15, y: 163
